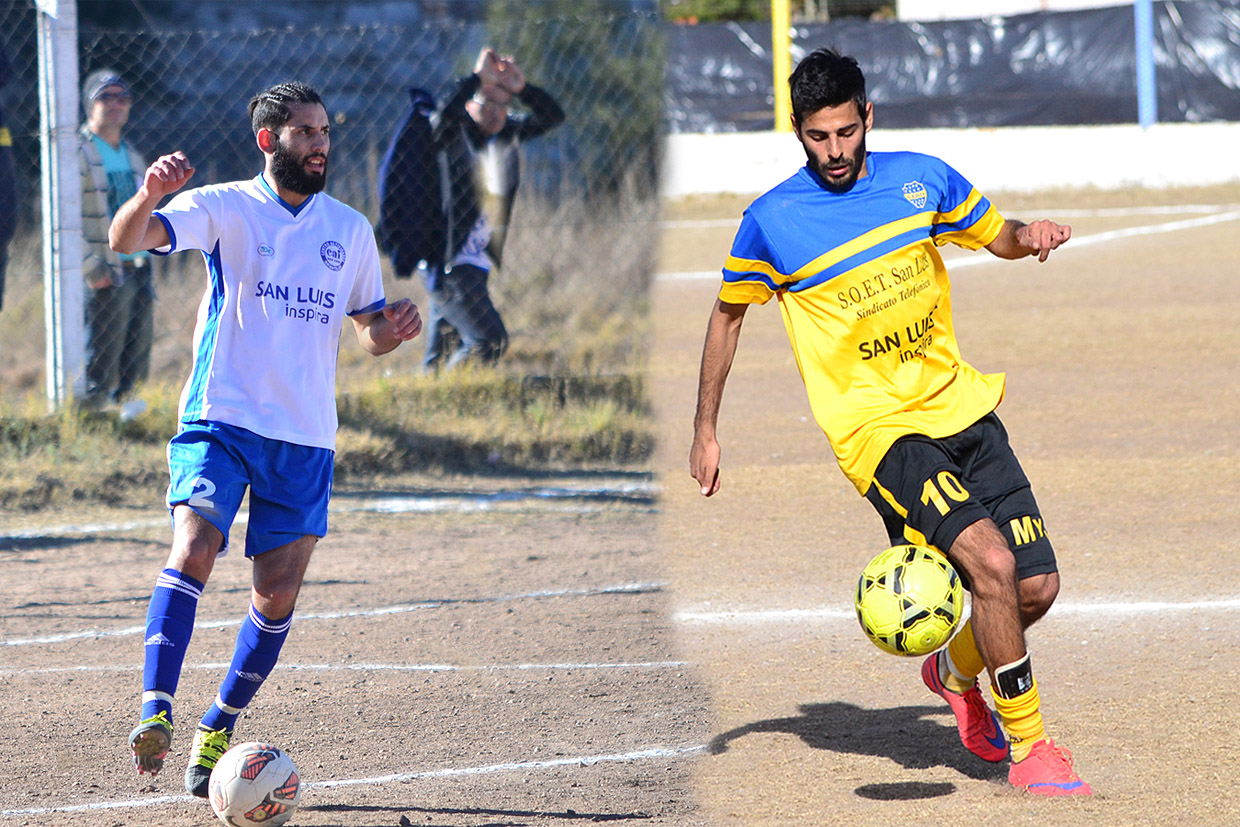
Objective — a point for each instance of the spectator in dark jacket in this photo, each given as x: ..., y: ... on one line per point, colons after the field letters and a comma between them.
x: 447, y: 185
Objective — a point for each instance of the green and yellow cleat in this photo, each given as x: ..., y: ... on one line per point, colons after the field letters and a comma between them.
x: 209, y: 745
x: 150, y: 741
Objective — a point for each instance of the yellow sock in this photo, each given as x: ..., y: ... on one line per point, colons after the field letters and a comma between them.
x: 1022, y: 719
x: 963, y: 661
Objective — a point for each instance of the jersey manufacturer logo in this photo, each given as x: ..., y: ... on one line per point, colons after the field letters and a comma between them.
x: 332, y: 253
x: 915, y: 194
x: 266, y: 250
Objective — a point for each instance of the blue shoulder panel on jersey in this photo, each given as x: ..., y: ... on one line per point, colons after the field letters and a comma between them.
x: 799, y: 221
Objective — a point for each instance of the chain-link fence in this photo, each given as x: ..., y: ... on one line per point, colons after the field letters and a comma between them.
x: 576, y: 236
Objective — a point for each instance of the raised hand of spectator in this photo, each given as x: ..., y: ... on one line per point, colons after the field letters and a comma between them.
x: 487, y: 67
x: 511, y: 78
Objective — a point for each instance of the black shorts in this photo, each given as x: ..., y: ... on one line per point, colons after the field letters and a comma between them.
x: 929, y: 490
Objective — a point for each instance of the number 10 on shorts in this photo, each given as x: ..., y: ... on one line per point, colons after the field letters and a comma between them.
x: 940, y: 488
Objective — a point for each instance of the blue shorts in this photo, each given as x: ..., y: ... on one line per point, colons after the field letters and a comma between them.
x: 211, y: 464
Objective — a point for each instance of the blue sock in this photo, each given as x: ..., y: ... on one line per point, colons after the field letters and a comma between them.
x: 258, y: 648
x: 169, y: 625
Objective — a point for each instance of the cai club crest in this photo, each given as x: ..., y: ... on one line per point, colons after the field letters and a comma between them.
x: 332, y: 253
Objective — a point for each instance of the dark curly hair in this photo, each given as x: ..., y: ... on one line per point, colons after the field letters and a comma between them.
x: 823, y: 78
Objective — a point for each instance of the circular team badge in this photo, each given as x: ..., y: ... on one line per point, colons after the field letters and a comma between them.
x: 332, y: 253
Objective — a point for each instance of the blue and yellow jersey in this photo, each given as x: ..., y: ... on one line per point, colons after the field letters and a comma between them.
x: 866, y: 299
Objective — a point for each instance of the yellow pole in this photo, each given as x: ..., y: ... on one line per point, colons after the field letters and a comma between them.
x: 781, y: 39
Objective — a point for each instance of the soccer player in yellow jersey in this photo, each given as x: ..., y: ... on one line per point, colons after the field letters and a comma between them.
x: 849, y: 248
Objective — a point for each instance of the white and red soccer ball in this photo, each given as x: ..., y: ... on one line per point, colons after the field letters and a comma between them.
x: 254, y: 785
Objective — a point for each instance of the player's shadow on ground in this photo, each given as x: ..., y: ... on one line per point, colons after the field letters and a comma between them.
x: 903, y: 734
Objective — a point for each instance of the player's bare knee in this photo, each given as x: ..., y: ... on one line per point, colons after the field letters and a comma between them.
x: 194, y: 555
x: 275, y: 598
x: 195, y: 541
x: 275, y: 592
x: 992, y: 574
x: 1037, y: 595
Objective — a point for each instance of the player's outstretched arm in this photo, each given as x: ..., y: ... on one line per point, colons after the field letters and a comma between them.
x: 382, y: 332
x: 723, y: 331
x: 1018, y: 239
x: 133, y: 227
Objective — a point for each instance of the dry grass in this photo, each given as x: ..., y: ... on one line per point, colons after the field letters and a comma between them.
x: 573, y: 292
x: 471, y: 420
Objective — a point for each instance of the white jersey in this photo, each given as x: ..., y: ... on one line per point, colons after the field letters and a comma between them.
x: 281, y: 281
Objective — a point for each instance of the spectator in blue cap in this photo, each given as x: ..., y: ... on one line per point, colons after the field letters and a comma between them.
x: 120, y: 307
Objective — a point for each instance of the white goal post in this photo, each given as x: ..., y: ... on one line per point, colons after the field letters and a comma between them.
x: 61, y: 197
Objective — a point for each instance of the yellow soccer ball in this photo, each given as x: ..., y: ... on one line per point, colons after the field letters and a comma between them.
x: 909, y: 600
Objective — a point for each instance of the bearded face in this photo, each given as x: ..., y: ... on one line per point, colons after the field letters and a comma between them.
x: 301, y: 173
x: 834, y: 141
x: 839, y: 172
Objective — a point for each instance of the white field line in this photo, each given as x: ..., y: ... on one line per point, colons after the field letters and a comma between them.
x: 691, y: 275
x: 367, y: 667
x: 622, y: 588
x: 89, y: 528
x: 583, y: 761
x: 1115, y: 235
x: 750, y: 617
x: 955, y: 263
x: 462, y: 503
x: 101, y: 805
x: 453, y: 772
x: 1115, y: 610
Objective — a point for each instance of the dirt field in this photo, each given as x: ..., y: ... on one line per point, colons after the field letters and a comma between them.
x: 617, y: 649
x: 504, y: 660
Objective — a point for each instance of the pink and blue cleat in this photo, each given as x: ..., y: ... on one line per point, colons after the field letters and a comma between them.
x: 978, y: 726
x: 1048, y: 771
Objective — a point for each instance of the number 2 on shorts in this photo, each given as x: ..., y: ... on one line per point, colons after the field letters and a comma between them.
x: 938, y: 489
x: 200, y: 497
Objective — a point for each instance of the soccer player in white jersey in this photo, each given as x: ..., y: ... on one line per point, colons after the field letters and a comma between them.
x: 286, y: 264
x: 849, y: 248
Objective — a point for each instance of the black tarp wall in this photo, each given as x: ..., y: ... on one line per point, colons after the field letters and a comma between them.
x: 1046, y: 68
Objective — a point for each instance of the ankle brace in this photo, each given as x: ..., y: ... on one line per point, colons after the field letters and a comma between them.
x: 1015, y: 679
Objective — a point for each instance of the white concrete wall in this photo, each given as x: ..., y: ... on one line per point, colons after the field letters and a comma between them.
x: 1012, y: 159
x: 968, y: 9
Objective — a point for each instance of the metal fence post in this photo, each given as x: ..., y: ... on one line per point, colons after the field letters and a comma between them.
x: 781, y: 62
x: 1147, y: 86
